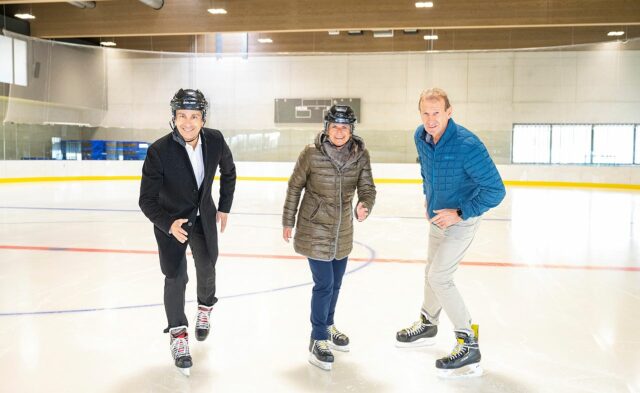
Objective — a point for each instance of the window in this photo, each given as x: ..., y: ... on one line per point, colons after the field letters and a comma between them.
x: 13, y: 61
x: 613, y: 144
x: 571, y: 144
x: 20, y: 62
x: 531, y: 144
x: 6, y: 60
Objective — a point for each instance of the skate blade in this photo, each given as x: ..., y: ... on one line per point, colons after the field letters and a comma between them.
x: 470, y: 371
x: 184, y: 371
x: 341, y: 348
x: 323, y: 365
x: 422, y: 342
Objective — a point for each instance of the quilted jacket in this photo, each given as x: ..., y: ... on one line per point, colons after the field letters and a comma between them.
x: 457, y: 172
x: 324, y: 229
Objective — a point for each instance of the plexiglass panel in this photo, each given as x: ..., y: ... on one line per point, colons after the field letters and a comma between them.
x: 531, y: 144
x: 571, y: 144
x: 114, y: 100
x: 613, y: 144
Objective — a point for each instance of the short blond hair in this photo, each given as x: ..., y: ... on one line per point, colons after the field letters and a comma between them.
x: 435, y: 93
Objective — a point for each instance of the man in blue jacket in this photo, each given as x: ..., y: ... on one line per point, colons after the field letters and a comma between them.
x: 460, y: 182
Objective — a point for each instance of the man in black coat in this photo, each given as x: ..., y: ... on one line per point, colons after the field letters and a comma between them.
x: 175, y: 194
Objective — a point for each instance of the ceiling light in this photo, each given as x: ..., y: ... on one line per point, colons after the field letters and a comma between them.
x: 265, y: 40
x: 410, y: 31
x: 615, y: 33
x: 155, y: 4
x: 430, y: 37
x: 334, y: 32
x: 24, y: 16
x: 83, y: 4
x: 354, y: 32
x: 107, y: 43
x: 383, y: 34
x: 217, y: 11
x: 424, y: 4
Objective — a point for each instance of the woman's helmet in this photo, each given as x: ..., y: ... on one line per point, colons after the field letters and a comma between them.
x: 340, y: 114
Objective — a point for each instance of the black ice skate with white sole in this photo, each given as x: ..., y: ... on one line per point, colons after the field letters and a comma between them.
x: 203, y: 325
x: 421, y: 333
x: 464, y: 360
x: 338, y: 340
x: 320, y: 355
x: 180, y: 349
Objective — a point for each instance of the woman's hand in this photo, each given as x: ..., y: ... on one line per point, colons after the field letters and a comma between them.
x: 286, y: 233
x: 361, y: 212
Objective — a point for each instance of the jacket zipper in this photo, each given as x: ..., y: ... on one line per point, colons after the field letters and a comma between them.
x: 433, y: 176
x: 335, y: 250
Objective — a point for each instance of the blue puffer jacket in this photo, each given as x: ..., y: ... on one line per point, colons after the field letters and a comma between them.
x: 457, y: 172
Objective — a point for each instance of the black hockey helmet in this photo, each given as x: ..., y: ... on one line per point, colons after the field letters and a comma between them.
x: 189, y: 99
x: 340, y: 114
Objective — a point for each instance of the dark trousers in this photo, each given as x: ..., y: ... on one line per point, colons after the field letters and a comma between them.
x: 327, y: 278
x: 174, y: 268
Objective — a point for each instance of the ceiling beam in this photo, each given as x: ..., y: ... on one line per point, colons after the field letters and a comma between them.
x: 448, y: 40
x: 189, y: 17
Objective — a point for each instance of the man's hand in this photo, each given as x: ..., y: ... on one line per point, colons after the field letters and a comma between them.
x: 221, y: 218
x: 444, y: 218
x: 177, y: 231
x: 286, y: 233
x: 361, y: 212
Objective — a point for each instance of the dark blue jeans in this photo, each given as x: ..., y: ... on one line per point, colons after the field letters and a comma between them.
x: 327, y: 277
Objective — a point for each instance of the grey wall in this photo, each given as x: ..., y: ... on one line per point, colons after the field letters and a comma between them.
x: 124, y: 95
x: 489, y: 92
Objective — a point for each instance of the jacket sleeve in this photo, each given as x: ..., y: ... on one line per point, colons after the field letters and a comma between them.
x: 227, y: 178
x: 483, y: 172
x: 149, y: 201
x: 297, y: 182
x: 366, y: 187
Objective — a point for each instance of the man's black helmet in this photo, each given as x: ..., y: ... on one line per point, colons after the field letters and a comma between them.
x: 189, y: 99
x: 341, y: 114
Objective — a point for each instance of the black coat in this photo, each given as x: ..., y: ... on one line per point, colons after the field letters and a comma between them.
x: 169, y: 189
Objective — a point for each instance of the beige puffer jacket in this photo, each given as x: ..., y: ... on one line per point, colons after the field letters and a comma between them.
x: 324, y: 229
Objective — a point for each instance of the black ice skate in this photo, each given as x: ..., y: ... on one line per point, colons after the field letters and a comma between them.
x: 464, y: 360
x: 320, y: 355
x: 338, y: 340
x: 202, y: 322
x: 180, y: 349
x: 421, y: 333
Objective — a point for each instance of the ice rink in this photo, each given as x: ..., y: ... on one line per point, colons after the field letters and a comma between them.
x: 552, y: 278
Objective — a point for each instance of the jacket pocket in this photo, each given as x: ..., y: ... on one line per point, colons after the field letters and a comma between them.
x: 315, y: 211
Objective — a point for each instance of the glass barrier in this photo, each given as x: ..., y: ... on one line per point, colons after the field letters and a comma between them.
x: 67, y: 102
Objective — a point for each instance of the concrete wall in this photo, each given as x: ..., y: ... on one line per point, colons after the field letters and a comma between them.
x: 489, y: 92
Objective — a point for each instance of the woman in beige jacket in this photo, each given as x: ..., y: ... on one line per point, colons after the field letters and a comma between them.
x: 330, y: 171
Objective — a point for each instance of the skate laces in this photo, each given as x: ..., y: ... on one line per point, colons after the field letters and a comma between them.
x: 323, y: 346
x: 416, y: 328
x: 180, y: 345
x: 335, y: 333
x: 459, y: 350
x: 202, y: 320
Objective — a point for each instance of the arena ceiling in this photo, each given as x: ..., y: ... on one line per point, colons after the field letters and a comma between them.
x: 304, y: 25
